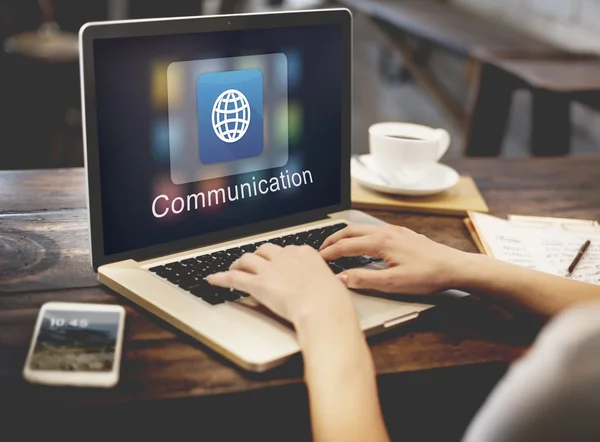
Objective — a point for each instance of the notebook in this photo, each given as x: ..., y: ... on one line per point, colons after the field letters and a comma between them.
x: 545, y: 244
x: 463, y: 197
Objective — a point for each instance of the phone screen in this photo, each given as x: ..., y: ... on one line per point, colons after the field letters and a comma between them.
x: 71, y: 340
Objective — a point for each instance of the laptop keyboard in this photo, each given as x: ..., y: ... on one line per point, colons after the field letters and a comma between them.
x: 189, y: 273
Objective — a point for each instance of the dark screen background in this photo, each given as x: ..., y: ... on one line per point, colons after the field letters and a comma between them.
x: 133, y: 132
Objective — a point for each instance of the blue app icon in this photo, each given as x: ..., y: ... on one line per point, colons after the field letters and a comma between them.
x: 230, y: 115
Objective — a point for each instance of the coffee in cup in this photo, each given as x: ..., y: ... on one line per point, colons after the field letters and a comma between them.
x: 406, y: 150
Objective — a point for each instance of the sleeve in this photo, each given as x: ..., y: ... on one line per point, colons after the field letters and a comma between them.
x: 553, y: 393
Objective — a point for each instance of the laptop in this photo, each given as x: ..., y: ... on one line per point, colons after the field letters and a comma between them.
x: 206, y: 137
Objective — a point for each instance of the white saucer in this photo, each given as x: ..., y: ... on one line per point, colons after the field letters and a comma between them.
x: 435, y: 179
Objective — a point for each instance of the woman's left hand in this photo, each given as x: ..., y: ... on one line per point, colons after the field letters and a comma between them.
x: 294, y: 282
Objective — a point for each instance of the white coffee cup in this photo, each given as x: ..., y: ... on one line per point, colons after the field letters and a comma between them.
x: 405, y: 149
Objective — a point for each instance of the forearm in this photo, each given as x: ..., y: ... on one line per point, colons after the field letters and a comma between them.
x: 341, y: 382
x: 538, y: 292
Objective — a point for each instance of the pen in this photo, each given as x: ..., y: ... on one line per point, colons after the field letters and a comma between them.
x: 580, y: 254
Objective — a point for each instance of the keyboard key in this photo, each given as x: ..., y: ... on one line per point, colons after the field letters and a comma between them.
x: 352, y: 262
x: 208, y: 293
x: 192, y: 265
x: 213, y: 298
x: 161, y: 271
x: 204, y: 272
x: 240, y: 293
x: 318, y: 243
x: 189, y: 273
x: 335, y: 268
x: 189, y: 283
x: 218, y: 295
x: 277, y: 241
x: 314, y: 244
x: 230, y: 296
x: 201, y: 287
x: 236, y: 251
x: 302, y: 237
x: 364, y: 260
x: 288, y: 240
x: 174, y: 277
x: 175, y: 266
x: 330, y: 230
x: 219, y: 259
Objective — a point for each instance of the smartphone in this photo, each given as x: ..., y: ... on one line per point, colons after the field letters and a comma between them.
x: 76, y: 344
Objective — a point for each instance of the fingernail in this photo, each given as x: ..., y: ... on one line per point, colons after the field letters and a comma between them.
x: 343, y: 277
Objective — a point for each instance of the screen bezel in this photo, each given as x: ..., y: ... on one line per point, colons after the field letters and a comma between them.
x: 187, y: 25
x: 76, y: 378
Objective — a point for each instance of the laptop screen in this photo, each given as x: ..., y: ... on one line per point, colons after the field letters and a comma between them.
x: 199, y: 133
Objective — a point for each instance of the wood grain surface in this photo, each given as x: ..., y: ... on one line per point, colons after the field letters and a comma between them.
x: 44, y: 251
x: 42, y: 191
x: 159, y: 362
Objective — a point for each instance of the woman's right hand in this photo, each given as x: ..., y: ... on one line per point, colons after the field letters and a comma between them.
x: 417, y: 265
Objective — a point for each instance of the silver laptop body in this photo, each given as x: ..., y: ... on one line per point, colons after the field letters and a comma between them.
x: 127, y: 71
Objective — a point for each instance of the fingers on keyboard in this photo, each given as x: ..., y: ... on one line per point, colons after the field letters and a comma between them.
x: 189, y: 273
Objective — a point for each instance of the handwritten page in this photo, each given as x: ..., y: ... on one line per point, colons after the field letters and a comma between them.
x: 560, y: 251
x: 503, y: 241
x: 550, y: 249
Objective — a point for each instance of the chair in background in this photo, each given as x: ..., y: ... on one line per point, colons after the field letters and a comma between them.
x: 500, y: 59
x: 555, y: 81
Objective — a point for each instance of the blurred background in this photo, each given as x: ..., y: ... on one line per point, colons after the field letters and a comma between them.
x: 511, y: 78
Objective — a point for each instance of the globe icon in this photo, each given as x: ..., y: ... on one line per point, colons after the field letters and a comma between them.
x: 231, y: 116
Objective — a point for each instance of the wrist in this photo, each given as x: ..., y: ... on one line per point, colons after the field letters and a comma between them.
x: 464, y: 270
x: 320, y: 325
x: 470, y: 271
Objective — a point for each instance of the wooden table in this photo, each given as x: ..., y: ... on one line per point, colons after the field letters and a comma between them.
x: 554, y: 83
x: 437, y: 369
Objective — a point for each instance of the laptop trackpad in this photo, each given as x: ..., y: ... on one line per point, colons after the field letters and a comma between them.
x: 372, y: 311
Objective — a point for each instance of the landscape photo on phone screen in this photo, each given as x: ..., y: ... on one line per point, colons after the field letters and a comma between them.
x: 71, y: 340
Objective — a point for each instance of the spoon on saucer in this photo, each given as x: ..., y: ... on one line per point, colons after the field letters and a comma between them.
x: 381, y: 176
x: 397, y: 178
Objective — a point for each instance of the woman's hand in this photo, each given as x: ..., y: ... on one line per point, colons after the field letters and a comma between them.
x: 417, y: 265
x: 297, y: 284
x: 294, y: 282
